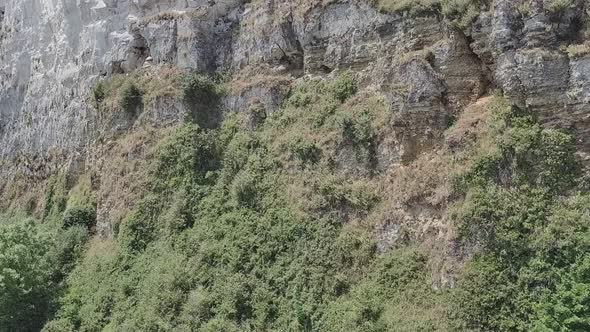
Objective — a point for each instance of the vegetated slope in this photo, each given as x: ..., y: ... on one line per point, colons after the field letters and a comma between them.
x: 283, y: 195
x: 256, y: 225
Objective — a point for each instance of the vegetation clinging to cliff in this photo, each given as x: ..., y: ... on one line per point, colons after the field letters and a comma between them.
x: 241, y: 230
x: 521, y: 214
x: 268, y: 227
x: 460, y: 12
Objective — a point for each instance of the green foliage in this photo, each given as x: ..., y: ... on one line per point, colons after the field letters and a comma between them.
x: 485, y: 298
x: 138, y: 230
x: 25, y: 276
x: 131, y: 98
x: 529, y: 241
x: 55, y: 199
x: 79, y: 216
x: 98, y: 94
x: 221, y: 242
x: 33, y: 263
x: 320, y: 120
x: 201, y: 96
x: 198, y: 89
x: 357, y: 196
x: 305, y: 151
x: 36, y: 257
x: 460, y: 12
x: 187, y: 157
x: 245, y: 229
x: 343, y: 88
x: 567, y: 308
x: 67, y: 250
x: 526, y: 155
x: 357, y: 129
x: 132, y: 92
x: 395, y: 296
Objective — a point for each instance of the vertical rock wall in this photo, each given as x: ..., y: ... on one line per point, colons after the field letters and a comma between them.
x: 53, y: 52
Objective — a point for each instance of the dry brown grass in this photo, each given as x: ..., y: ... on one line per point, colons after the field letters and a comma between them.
x: 154, y: 83
x: 22, y: 192
x: 122, y: 168
x: 472, y: 126
x: 164, y: 16
x: 416, y: 196
x: 426, y: 180
x: 578, y: 50
x: 253, y: 76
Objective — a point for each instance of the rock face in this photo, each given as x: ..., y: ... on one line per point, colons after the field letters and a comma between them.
x: 532, y: 55
x: 52, y: 53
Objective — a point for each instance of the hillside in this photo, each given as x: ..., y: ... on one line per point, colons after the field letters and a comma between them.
x: 320, y: 165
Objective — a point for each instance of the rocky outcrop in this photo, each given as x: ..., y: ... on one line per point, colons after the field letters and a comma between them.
x: 49, y: 66
x: 52, y: 54
x: 525, y: 45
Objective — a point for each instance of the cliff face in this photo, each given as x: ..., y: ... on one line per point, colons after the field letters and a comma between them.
x: 53, y: 53
x: 346, y: 122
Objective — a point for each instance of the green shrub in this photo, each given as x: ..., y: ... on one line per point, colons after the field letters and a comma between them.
x: 26, y: 288
x: 138, y: 230
x: 302, y: 95
x: 67, y: 250
x: 357, y: 129
x: 343, y: 88
x: 79, y: 216
x: 395, y: 296
x: 230, y: 237
x: 55, y: 198
x: 527, y: 155
x: 61, y: 325
x: 131, y: 98
x: 244, y: 189
x: 526, y: 245
x: 200, y: 96
x: 197, y: 89
x: 486, y: 299
x: 357, y: 196
x: 98, y: 94
x: 568, y: 307
x: 306, y: 152
x: 460, y: 12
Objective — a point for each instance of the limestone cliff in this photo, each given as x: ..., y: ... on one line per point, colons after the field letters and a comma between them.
x: 281, y: 165
x: 427, y: 67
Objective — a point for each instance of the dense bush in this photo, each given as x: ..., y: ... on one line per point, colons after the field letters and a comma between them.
x: 343, y: 88
x: 98, y: 94
x: 33, y: 263
x: 79, y: 216
x: 131, y: 98
x: 394, y: 296
x: 26, y: 288
x: 199, y: 89
x: 528, y: 270
x: 460, y: 12
x: 263, y: 229
x: 306, y: 152
x: 200, y: 96
x: 219, y: 242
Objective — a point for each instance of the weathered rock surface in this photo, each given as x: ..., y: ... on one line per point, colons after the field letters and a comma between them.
x: 52, y: 53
